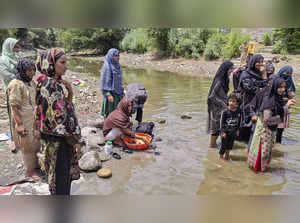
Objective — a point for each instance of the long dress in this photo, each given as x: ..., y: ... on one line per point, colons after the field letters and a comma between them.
x: 60, y: 131
x: 263, y: 141
x: 22, y: 94
x: 218, y: 99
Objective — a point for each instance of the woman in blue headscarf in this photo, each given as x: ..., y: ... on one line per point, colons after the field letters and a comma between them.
x: 286, y: 74
x: 111, y: 82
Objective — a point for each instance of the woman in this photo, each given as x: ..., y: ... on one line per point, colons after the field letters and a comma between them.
x: 217, y: 100
x: 111, y: 82
x: 286, y: 74
x: 9, y: 60
x: 272, y: 111
x: 56, y: 120
x: 270, y: 69
x: 118, y: 123
x: 251, y: 82
x: 21, y: 94
x: 8, y: 71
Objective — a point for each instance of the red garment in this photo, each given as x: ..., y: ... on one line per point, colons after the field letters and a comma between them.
x: 257, y: 167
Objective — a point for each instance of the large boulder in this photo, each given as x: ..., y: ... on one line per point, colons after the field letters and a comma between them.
x: 93, y: 138
x: 97, y: 123
x: 90, y: 161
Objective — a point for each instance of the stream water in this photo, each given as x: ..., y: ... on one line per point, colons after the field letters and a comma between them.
x: 186, y: 165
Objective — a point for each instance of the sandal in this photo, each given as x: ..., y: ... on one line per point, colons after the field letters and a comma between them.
x: 116, y: 156
x: 126, y: 150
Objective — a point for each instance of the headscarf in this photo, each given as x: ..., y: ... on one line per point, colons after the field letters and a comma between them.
x: 252, y: 70
x: 270, y: 69
x: 272, y: 100
x: 23, y: 65
x: 9, y: 57
x: 111, y: 74
x: 47, y: 59
x: 119, y: 118
x: 283, y: 73
x: 222, y: 76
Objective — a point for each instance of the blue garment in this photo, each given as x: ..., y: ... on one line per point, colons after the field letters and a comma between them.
x: 111, y: 79
x: 283, y: 73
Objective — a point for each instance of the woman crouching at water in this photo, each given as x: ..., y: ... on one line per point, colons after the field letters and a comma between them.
x: 272, y: 111
x: 56, y: 120
x: 217, y: 100
x: 118, y: 123
x: 21, y: 94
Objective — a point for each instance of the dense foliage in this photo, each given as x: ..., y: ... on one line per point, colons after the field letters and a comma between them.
x: 164, y: 42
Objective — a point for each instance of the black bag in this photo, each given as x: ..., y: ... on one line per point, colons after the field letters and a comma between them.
x: 145, y: 127
x: 137, y: 92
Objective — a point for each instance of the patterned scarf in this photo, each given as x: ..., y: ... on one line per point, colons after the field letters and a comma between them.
x: 46, y: 61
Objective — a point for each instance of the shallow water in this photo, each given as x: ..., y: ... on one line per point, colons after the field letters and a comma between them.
x: 186, y: 164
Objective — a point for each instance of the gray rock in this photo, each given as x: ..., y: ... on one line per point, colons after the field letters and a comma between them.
x: 153, y: 146
x: 93, y: 137
x: 90, y: 161
x: 95, y: 140
x: 162, y: 121
x: 98, y: 123
x: 157, y: 139
x: 186, y: 117
x: 86, y: 131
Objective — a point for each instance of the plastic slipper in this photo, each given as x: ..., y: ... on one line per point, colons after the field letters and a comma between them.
x: 116, y: 156
x: 125, y: 150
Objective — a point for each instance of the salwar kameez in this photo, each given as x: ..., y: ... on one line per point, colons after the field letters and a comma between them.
x: 263, y: 142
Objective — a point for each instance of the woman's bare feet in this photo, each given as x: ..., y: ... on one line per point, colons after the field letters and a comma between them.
x: 34, y: 175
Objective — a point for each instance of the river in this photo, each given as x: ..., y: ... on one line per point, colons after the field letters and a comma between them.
x: 186, y: 166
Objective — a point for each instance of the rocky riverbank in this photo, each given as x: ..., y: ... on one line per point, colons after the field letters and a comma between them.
x: 192, y: 67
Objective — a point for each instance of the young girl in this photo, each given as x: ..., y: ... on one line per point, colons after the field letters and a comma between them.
x: 286, y: 73
x: 21, y: 94
x: 271, y: 113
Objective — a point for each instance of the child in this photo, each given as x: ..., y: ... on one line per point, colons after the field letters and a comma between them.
x: 230, y: 123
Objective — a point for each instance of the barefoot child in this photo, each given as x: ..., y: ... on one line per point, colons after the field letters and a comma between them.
x: 230, y: 123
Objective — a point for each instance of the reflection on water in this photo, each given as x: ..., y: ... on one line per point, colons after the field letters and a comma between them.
x: 186, y: 164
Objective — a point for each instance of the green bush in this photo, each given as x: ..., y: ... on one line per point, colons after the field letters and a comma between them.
x: 92, y: 38
x: 188, y: 42
x: 267, y: 39
x: 289, y: 39
x: 160, y: 38
x: 231, y: 48
x: 137, y: 41
x: 4, y: 34
x: 278, y: 46
x: 213, y: 49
